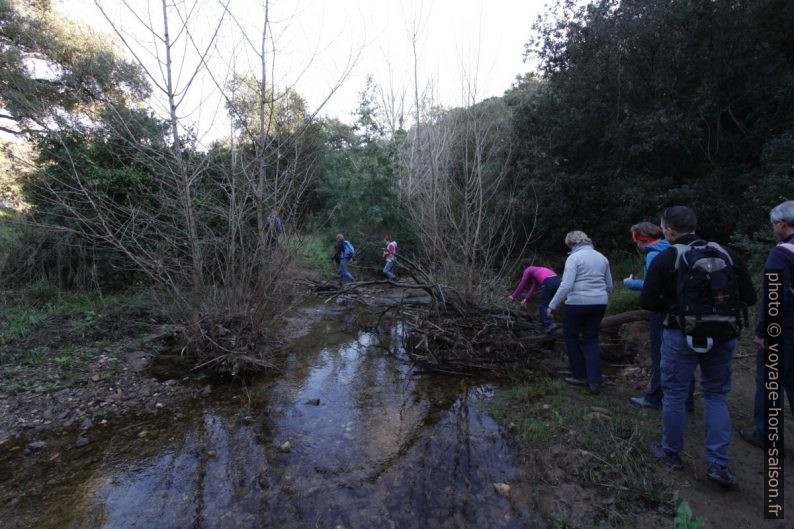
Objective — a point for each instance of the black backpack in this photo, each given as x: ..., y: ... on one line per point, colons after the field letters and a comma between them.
x: 708, y: 309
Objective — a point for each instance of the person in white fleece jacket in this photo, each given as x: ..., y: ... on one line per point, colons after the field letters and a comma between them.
x: 586, y: 283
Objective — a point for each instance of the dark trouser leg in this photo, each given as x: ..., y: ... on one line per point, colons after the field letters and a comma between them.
x: 547, y: 290
x: 571, y: 325
x: 592, y: 348
x: 654, y: 393
x: 343, y: 273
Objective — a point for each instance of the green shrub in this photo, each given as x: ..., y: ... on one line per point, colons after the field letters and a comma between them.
x: 622, y: 300
x: 684, y: 518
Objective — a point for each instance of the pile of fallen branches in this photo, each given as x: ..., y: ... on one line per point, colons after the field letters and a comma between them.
x: 450, y: 334
x: 474, y: 339
x: 487, y: 339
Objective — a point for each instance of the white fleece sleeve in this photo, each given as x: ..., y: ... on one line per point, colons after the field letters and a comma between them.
x: 566, y: 285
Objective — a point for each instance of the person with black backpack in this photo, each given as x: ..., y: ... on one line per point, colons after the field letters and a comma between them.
x: 344, y: 253
x: 704, y: 290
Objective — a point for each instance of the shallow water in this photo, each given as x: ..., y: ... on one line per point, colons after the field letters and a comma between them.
x: 384, y: 447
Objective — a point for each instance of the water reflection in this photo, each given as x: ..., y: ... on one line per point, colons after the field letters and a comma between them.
x: 383, y: 447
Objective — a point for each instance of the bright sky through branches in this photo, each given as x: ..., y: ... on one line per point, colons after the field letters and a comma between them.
x: 477, y: 43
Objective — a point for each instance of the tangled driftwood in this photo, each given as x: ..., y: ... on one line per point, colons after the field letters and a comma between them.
x: 451, y: 335
x: 487, y: 339
x: 454, y: 335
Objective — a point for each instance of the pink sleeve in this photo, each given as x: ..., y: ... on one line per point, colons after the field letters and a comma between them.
x: 532, y: 290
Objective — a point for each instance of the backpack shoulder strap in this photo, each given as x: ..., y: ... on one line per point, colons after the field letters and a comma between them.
x: 787, y: 246
x: 680, y: 250
x: 722, y: 250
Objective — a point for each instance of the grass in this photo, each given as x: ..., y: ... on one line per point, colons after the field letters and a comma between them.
x: 546, y: 412
x: 41, y: 305
x: 314, y: 252
x: 51, y: 338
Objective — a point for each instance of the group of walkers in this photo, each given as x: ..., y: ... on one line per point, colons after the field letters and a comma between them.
x: 697, y: 293
x: 345, y: 252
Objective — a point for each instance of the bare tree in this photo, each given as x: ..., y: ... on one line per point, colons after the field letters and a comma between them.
x: 211, y: 228
x: 462, y: 203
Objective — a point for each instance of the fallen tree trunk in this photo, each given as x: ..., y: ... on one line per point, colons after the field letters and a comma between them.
x: 609, y: 322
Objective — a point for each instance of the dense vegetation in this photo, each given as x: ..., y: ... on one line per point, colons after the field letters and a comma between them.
x: 634, y: 106
x: 647, y: 104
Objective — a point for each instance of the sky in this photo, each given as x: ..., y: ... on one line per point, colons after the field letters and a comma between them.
x: 466, y: 50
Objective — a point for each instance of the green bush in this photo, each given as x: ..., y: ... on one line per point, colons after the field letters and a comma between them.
x: 622, y: 300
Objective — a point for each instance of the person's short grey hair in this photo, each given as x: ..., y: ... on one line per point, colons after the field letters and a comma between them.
x: 576, y: 237
x: 783, y: 212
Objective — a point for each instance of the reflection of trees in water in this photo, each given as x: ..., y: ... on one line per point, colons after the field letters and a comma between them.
x: 378, y: 469
x: 414, y: 452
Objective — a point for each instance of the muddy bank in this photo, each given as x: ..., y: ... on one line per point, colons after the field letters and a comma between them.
x: 136, y: 376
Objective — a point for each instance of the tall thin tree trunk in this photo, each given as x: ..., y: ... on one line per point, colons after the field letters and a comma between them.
x: 262, y: 143
x: 185, y: 192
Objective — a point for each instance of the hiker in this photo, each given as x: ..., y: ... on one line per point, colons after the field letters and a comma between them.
x: 700, y: 328
x: 544, y: 279
x: 586, y: 283
x: 274, y: 229
x: 389, y: 253
x: 781, y: 257
x: 650, y: 241
x: 344, y: 253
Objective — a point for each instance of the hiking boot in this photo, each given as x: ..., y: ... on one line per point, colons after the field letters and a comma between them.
x: 595, y: 389
x: 643, y: 402
x: 722, y: 475
x: 752, y: 436
x: 575, y: 381
x: 551, y: 328
x: 670, y: 459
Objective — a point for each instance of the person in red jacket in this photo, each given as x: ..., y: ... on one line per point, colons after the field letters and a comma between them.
x: 389, y: 254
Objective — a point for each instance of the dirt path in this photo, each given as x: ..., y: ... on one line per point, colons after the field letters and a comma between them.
x: 583, y: 445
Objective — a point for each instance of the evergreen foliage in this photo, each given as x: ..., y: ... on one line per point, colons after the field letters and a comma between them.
x: 648, y: 104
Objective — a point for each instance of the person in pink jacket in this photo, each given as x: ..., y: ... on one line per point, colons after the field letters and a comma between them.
x: 547, y: 281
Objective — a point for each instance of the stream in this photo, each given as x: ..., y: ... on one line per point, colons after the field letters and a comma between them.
x: 349, y: 435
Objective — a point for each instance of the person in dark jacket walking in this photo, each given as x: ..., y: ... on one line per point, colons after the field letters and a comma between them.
x: 679, y: 360
x: 781, y: 257
x: 650, y: 241
x: 344, y: 253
